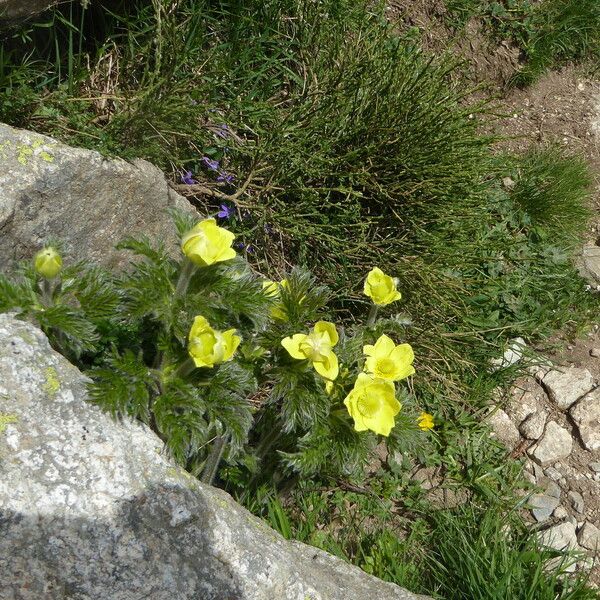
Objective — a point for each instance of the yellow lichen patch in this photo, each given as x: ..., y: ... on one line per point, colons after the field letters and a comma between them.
x: 6, y: 419
x: 35, y: 150
x: 52, y: 384
x: 23, y: 154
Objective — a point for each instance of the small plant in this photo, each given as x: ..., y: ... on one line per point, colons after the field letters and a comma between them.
x: 208, y: 354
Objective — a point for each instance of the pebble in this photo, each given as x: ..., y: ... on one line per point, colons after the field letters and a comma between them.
x: 553, y: 473
x: 504, y: 429
x: 589, y: 536
x: 595, y: 352
x: 586, y: 414
x: 557, y: 443
x: 560, y: 513
x: 533, y: 427
x: 543, y: 506
x: 559, y: 537
x: 566, y: 385
x: 595, y: 466
x: 576, y: 501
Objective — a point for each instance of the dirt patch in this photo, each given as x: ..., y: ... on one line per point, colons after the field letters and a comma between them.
x: 486, y: 62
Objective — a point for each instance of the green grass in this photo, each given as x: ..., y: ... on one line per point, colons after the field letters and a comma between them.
x: 472, y: 552
x: 553, y: 191
x: 353, y: 150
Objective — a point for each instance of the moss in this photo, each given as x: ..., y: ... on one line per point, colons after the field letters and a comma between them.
x: 6, y: 419
x: 52, y: 384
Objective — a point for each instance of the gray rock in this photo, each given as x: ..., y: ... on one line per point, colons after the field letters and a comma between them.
x: 552, y: 489
x: 560, y: 537
x: 589, y: 536
x: 589, y: 263
x: 576, y: 501
x: 553, y: 473
x: 542, y: 506
x: 560, y: 513
x: 511, y: 356
x: 556, y: 444
x: 533, y: 426
x: 49, y: 190
x: 565, y: 385
x: 525, y: 400
x: 16, y: 10
x: 93, y: 509
x: 586, y: 415
x: 595, y: 352
x: 503, y: 428
x: 595, y: 466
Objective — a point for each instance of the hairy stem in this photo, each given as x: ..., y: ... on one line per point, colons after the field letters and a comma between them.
x: 214, y: 459
x: 372, y: 315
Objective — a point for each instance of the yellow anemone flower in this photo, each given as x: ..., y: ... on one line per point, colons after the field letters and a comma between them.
x: 381, y: 288
x: 425, y: 421
x: 47, y: 263
x: 388, y: 361
x: 316, y: 347
x: 372, y: 404
x: 208, y: 347
x: 207, y: 243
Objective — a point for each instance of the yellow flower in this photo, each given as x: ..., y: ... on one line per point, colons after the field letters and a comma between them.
x: 48, y: 263
x: 372, y: 404
x: 425, y: 421
x: 207, y: 243
x: 208, y: 347
x: 381, y: 288
x: 388, y: 361
x: 328, y: 387
x: 316, y: 347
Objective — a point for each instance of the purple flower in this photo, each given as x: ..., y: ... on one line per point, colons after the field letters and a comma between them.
x: 225, y: 212
x: 241, y: 246
x: 222, y: 131
x: 213, y: 165
x: 188, y: 179
x: 225, y: 177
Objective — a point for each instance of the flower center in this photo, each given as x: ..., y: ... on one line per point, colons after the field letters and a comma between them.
x: 315, y: 347
x: 386, y: 366
x: 368, y: 406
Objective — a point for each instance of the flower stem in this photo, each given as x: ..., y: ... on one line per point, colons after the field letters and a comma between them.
x: 187, y: 270
x: 214, y: 458
x: 372, y: 315
x: 185, y: 368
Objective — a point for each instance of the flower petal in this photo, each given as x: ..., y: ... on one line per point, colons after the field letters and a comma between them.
x: 329, y: 329
x: 384, y: 346
x: 292, y: 345
x: 329, y: 367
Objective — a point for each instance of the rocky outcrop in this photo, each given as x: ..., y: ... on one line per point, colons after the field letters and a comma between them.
x: 92, y: 509
x: 556, y: 412
x: 16, y: 10
x: 89, y: 203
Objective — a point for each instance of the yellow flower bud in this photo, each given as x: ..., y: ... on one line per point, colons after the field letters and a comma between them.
x: 316, y: 347
x: 385, y: 360
x: 207, y: 243
x: 372, y: 404
x: 272, y: 289
x: 381, y: 288
x: 425, y: 421
x: 208, y: 347
x: 48, y: 263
